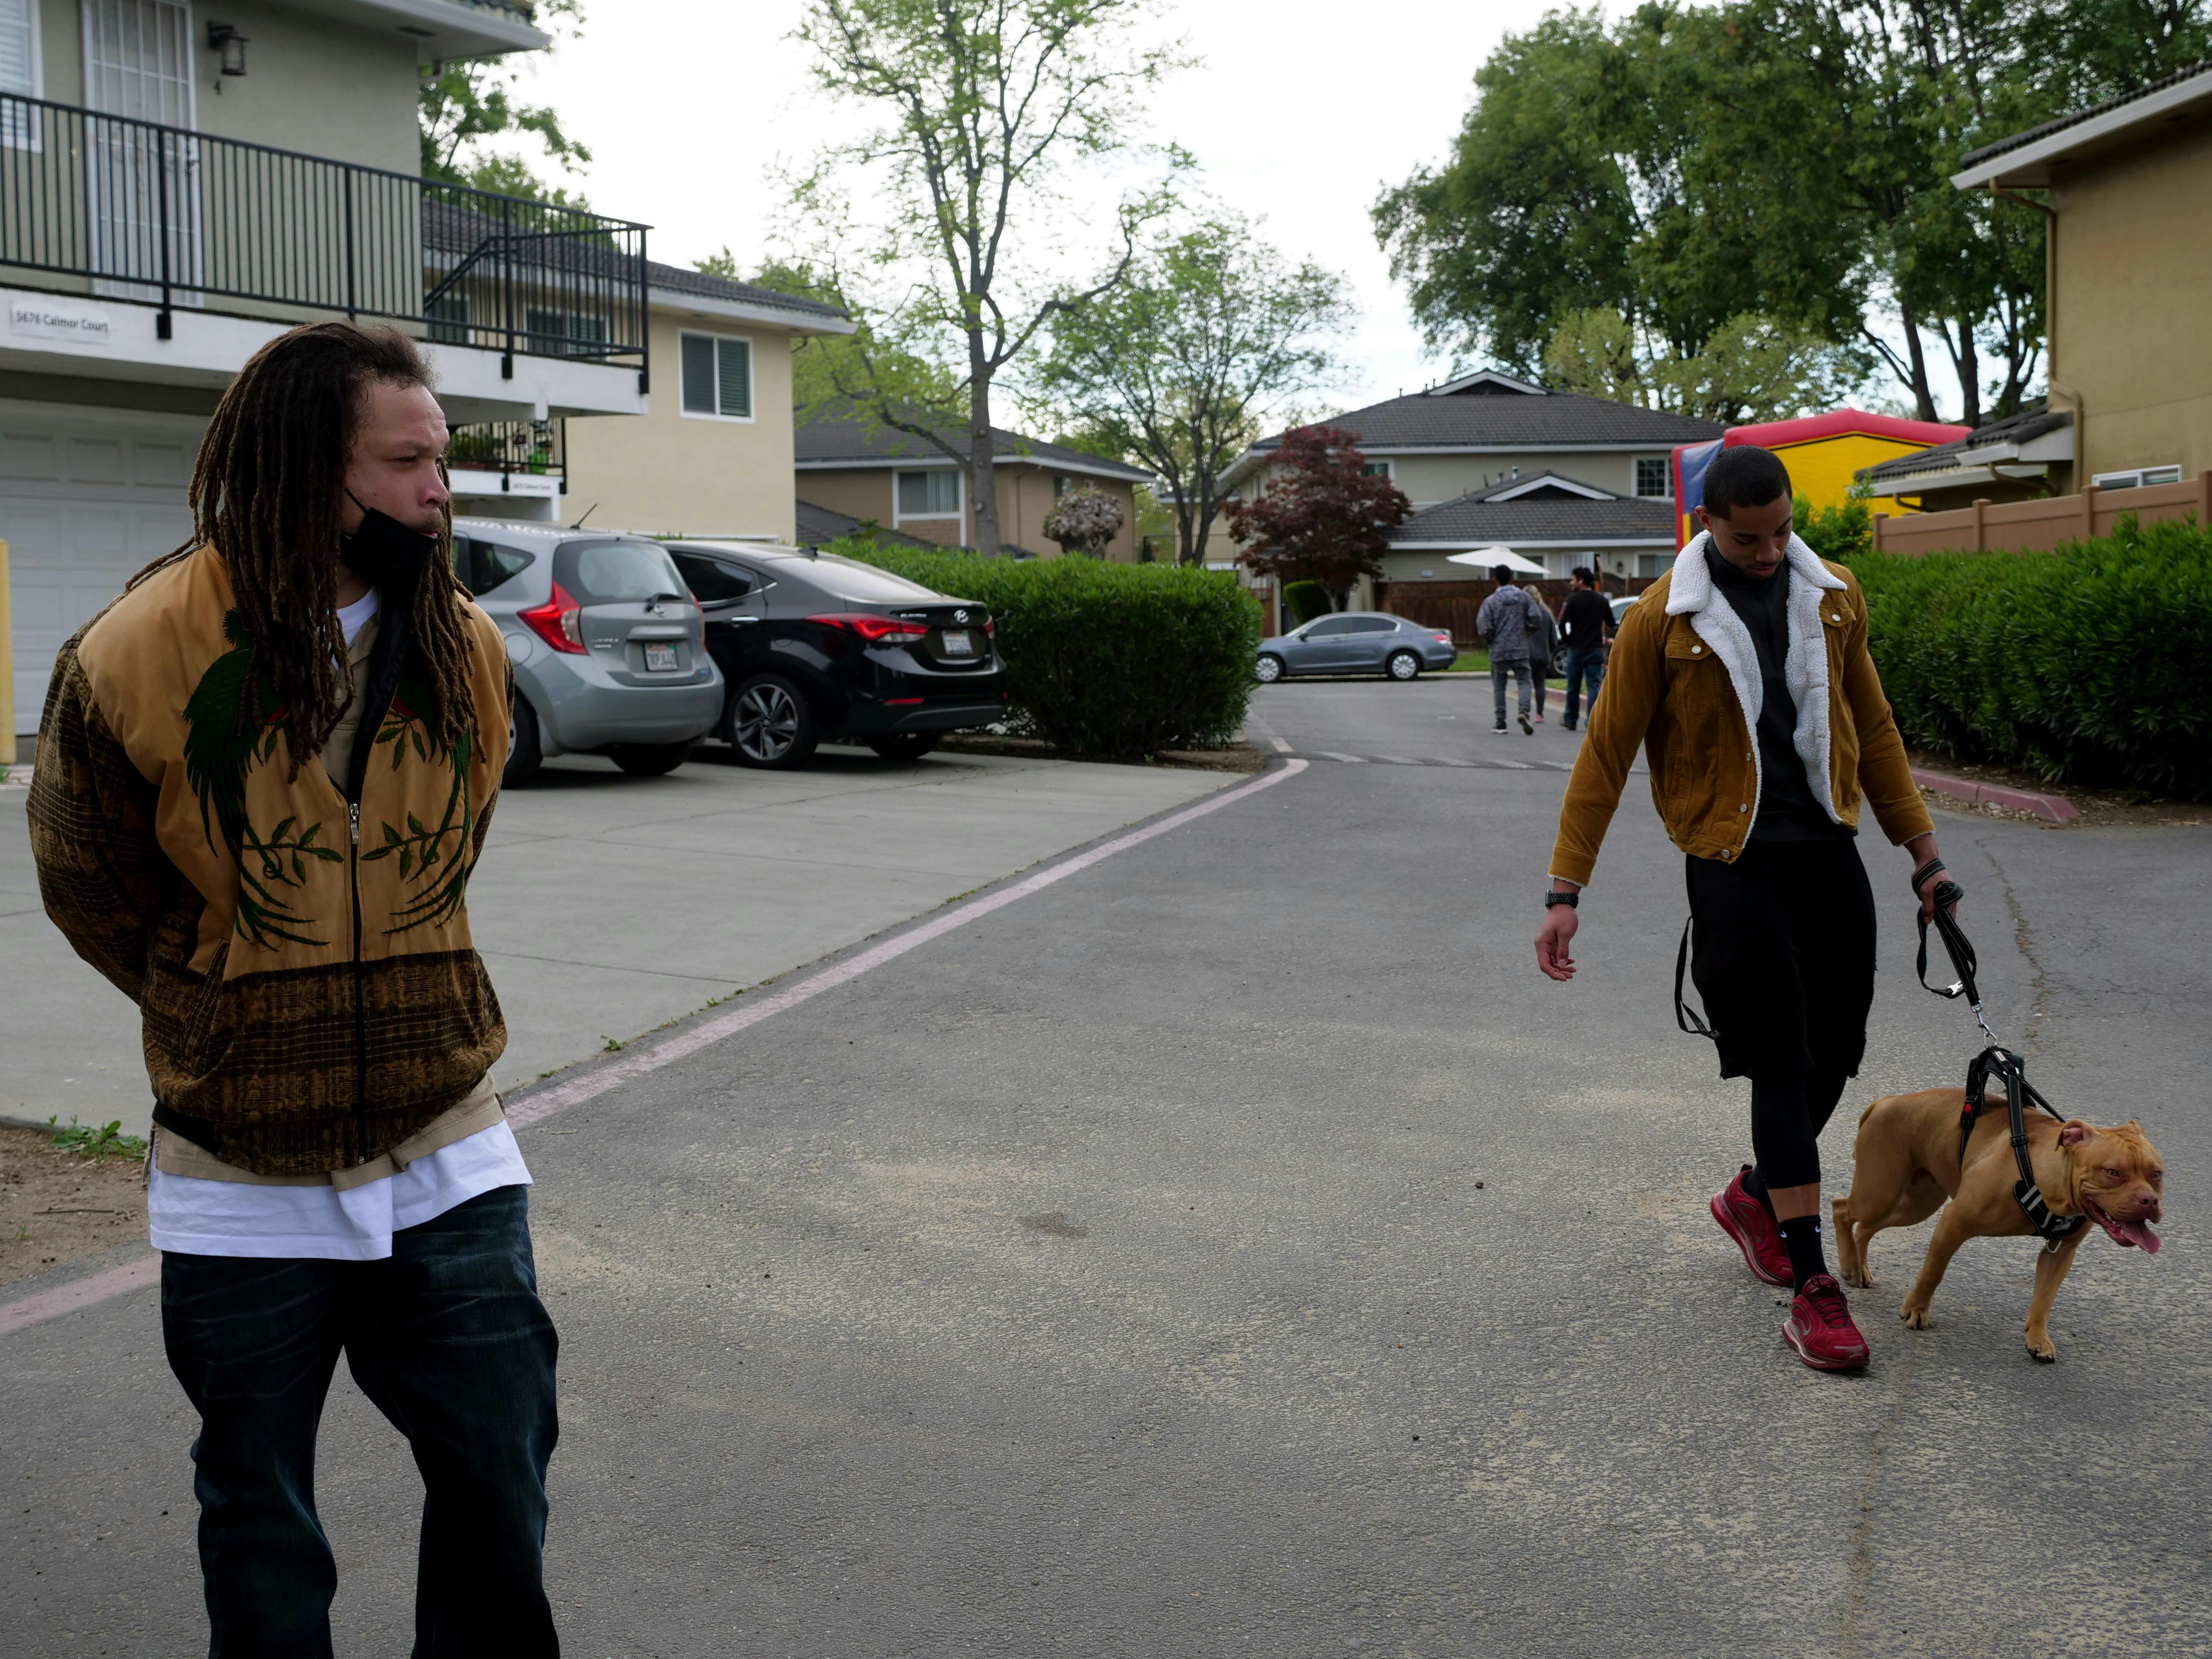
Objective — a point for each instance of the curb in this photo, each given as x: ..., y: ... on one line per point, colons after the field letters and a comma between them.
x: 2052, y: 808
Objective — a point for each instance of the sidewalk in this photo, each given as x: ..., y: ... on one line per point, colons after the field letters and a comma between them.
x: 607, y: 905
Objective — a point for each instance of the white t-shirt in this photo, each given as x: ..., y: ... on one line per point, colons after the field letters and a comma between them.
x: 195, y: 1217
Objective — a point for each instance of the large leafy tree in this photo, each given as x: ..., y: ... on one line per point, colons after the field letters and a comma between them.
x: 471, y: 114
x: 1322, y: 517
x: 1178, y: 368
x: 979, y: 109
x: 1781, y: 160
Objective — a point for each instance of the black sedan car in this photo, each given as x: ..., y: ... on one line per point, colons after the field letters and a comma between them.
x: 817, y: 646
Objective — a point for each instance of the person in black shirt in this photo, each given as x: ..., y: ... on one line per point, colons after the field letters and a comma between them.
x: 1587, y: 620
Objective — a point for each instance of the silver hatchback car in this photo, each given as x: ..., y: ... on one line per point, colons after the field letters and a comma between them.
x: 609, y: 648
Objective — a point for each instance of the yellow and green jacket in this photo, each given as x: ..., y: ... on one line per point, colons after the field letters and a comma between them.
x: 310, y: 993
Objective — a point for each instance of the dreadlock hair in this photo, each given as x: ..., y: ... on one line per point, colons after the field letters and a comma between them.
x: 265, y: 495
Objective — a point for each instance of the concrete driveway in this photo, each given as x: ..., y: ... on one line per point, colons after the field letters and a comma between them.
x: 607, y: 905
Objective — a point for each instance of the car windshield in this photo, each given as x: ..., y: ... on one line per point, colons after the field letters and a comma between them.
x: 848, y: 578
x: 618, y: 572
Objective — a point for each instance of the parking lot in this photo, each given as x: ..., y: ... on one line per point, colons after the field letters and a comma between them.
x: 607, y: 904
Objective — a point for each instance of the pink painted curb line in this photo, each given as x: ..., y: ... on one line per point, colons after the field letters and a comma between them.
x: 146, y: 1269
x: 79, y: 1293
x: 2052, y: 808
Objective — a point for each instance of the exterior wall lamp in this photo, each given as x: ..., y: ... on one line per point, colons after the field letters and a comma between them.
x: 227, y: 40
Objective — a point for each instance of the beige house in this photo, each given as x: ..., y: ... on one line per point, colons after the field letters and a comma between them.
x: 2129, y: 285
x: 185, y: 182
x: 713, y: 454
x: 876, y: 474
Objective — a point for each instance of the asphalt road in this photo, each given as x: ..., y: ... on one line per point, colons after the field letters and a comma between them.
x: 1238, y: 1247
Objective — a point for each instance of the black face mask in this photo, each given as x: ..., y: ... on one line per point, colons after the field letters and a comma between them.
x: 384, y: 552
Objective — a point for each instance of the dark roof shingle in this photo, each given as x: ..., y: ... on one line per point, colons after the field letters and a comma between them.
x: 2015, y: 428
x: 677, y: 279
x: 1479, y: 523
x: 819, y: 527
x: 863, y: 443
x: 2021, y: 140
x: 1524, y: 421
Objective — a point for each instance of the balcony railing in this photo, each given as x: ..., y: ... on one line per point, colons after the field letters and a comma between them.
x: 532, y: 448
x: 174, y: 217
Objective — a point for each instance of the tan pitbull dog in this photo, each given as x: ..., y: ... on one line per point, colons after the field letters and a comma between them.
x: 1907, y: 1163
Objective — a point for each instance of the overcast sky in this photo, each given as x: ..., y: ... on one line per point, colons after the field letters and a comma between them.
x: 1299, y: 115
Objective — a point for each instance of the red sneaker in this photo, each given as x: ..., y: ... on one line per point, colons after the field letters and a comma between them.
x: 1748, y: 1222
x: 1819, y: 1328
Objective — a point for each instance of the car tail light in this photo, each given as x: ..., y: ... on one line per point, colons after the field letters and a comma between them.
x: 900, y: 703
x: 559, y: 621
x: 1443, y: 639
x: 876, y: 630
x: 990, y: 628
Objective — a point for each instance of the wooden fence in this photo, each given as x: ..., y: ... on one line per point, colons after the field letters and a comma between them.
x: 2039, y: 526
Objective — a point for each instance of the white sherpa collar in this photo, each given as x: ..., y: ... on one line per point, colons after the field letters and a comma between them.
x: 1805, y: 666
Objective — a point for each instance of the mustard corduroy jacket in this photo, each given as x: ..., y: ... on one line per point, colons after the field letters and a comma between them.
x: 1683, y: 684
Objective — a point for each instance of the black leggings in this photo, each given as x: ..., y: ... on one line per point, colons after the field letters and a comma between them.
x: 1787, y: 1116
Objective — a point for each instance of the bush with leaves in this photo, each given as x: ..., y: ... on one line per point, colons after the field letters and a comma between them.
x: 1840, y: 532
x: 1307, y: 600
x: 2082, y: 665
x: 1119, y: 660
x: 1084, y: 521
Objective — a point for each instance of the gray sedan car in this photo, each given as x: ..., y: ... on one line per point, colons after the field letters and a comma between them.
x: 1356, y: 642
x: 609, y: 647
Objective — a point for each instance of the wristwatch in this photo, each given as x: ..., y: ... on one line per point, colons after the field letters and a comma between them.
x: 1572, y: 901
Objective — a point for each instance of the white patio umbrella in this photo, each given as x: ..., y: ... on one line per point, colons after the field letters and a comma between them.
x: 1487, y: 557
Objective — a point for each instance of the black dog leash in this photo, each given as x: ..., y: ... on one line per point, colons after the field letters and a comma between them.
x: 1995, y: 1060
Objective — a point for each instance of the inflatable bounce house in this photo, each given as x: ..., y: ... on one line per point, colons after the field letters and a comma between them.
x: 1823, y: 453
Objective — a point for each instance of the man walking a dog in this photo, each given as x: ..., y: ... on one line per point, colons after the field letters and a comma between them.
x: 1744, y: 673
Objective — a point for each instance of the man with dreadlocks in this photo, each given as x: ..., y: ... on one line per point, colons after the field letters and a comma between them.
x: 265, y: 775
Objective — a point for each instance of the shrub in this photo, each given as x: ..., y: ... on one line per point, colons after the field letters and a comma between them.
x: 1307, y: 600
x: 1119, y: 659
x: 1843, y: 532
x: 2082, y: 665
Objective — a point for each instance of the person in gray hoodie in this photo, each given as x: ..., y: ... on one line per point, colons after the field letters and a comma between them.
x: 1512, y: 627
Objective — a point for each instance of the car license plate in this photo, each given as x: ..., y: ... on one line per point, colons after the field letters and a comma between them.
x: 659, y: 658
x: 958, y: 643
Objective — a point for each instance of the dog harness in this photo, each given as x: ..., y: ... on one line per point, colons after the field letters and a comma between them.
x: 1994, y: 1061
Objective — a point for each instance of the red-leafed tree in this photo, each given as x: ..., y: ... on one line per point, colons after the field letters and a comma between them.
x: 1323, y: 517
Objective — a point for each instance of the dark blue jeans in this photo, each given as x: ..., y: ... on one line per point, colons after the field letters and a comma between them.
x: 1589, y: 663
x: 450, y: 1341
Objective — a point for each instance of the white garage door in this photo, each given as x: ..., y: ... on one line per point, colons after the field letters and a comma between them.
x: 86, y: 497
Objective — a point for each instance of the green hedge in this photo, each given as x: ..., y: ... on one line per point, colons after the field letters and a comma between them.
x: 1307, y: 599
x: 1121, y: 660
x: 2083, y: 665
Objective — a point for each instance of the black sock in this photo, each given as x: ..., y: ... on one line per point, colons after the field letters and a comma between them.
x: 1755, y: 1184
x: 1801, y: 1237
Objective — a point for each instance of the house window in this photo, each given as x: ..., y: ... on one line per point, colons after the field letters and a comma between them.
x: 718, y: 377
x: 563, y: 333
x: 448, y: 316
x: 19, y: 71
x: 1376, y: 470
x: 1062, y: 483
x: 2138, y: 479
x: 931, y: 494
x: 1651, y: 479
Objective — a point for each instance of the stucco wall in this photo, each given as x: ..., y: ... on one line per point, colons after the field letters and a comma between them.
x: 667, y: 472
x: 2133, y: 322
x: 1025, y: 498
x: 312, y: 83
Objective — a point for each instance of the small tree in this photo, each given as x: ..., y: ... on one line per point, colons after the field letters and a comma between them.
x: 1323, y: 517
x: 1084, y: 520
x: 466, y: 105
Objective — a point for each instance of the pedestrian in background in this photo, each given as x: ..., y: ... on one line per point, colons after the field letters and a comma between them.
x: 265, y: 776
x: 1543, y: 651
x: 1511, y: 625
x: 1588, y: 621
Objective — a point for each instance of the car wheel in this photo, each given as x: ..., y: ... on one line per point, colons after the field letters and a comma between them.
x: 1402, y: 665
x: 769, y: 723
x: 1269, y: 669
x: 524, y: 754
x: 903, y: 745
x: 649, y: 760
